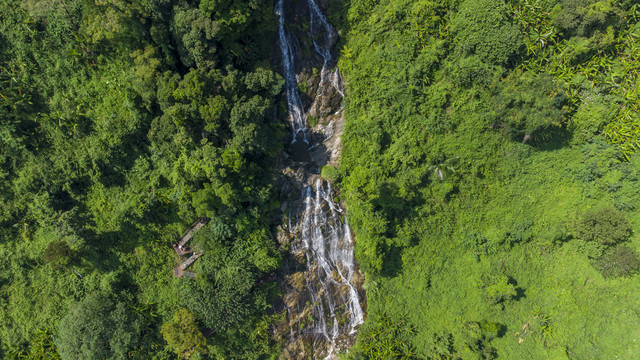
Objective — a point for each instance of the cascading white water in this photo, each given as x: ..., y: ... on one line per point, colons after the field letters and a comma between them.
x: 322, y: 301
x: 294, y: 103
x: 328, y: 247
x: 336, y: 81
x: 324, y: 36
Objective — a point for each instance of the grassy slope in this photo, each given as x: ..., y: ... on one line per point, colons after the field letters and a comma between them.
x: 404, y: 109
x: 592, y: 316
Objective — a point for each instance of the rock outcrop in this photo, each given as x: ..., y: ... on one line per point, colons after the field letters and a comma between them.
x: 322, y: 285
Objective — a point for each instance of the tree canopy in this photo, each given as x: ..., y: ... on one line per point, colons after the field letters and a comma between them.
x: 122, y: 123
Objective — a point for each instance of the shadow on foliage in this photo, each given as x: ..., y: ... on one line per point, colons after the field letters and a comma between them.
x: 392, y: 263
x: 520, y: 292
x: 99, y: 251
x: 549, y: 140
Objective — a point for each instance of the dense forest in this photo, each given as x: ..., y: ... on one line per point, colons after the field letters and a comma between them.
x: 490, y: 172
x: 122, y: 122
x: 491, y: 176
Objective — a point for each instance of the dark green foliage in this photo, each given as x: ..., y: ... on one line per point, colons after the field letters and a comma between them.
x: 606, y: 226
x: 442, y: 347
x: 474, y: 80
x: 221, y: 302
x: 483, y: 28
x: 579, y: 18
x: 42, y: 347
x: 125, y: 122
x: 530, y: 106
x: 182, y: 334
x: 471, y: 71
x: 250, y: 340
x: 195, y: 35
x: 602, y: 42
x: 385, y: 338
x: 618, y: 261
x: 443, y: 167
x: 521, y: 233
x: 479, y: 245
x: 98, y: 328
x: 499, y: 289
x: 478, y: 336
x: 58, y: 254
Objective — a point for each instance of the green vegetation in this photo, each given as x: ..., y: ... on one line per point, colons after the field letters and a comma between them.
x: 387, y: 338
x: 58, y: 254
x: 303, y: 87
x: 182, y: 334
x: 490, y: 169
x: 98, y: 328
x: 606, y: 226
x: 330, y: 173
x: 122, y: 122
x: 490, y: 174
x: 312, y: 121
x: 619, y: 261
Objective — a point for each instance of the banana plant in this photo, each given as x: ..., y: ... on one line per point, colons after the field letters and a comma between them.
x: 443, y: 167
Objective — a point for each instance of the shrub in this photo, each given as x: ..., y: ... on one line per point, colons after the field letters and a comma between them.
x: 442, y: 347
x: 618, y: 261
x: 521, y: 233
x: 385, y: 337
x: 58, y: 254
x: 500, y: 290
x: 483, y: 28
x: 478, y: 335
x: 479, y: 245
x: 592, y: 250
x: 182, y: 334
x: 98, y: 327
x: 531, y: 105
x: 576, y: 17
x: 312, y: 120
x: 303, y: 86
x: 330, y: 173
x: 472, y: 71
x: 606, y: 226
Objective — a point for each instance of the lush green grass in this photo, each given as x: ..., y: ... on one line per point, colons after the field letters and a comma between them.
x: 467, y: 174
x: 440, y: 286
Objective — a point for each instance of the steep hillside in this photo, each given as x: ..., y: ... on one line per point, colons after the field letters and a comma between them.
x: 491, y: 176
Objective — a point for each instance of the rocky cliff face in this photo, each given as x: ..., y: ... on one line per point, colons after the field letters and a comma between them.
x: 323, y: 300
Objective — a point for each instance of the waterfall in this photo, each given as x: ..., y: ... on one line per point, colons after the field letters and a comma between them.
x: 294, y: 103
x: 328, y: 247
x: 324, y: 36
x: 323, y: 306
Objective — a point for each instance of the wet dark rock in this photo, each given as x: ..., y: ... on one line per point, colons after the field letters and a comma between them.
x: 318, y: 294
x: 299, y: 151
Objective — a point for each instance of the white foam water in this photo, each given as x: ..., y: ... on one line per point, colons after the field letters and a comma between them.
x: 332, y: 311
x: 324, y: 37
x: 328, y: 245
x: 294, y: 103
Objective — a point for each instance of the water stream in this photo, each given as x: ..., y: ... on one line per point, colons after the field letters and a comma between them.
x: 328, y: 247
x: 321, y: 294
x: 294, y: 103
x: 324, y: 36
